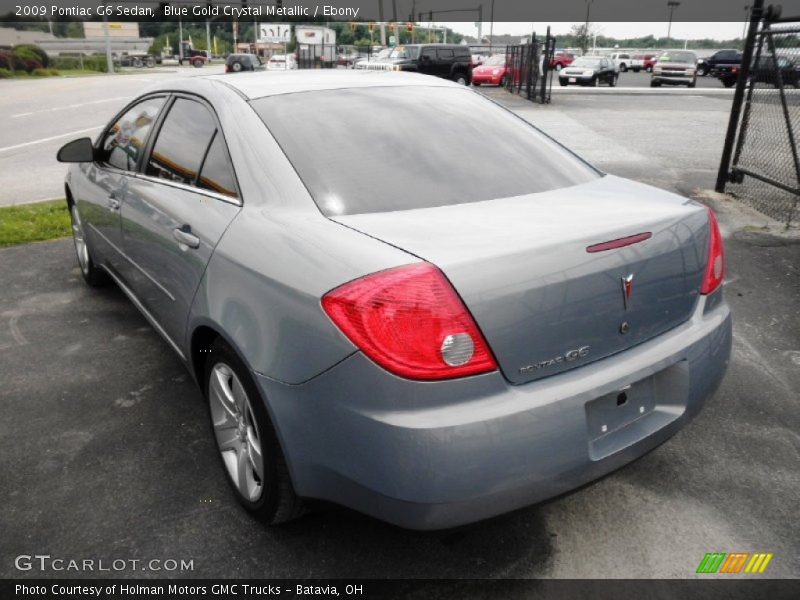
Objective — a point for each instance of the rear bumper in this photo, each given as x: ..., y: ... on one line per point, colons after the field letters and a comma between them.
x: 437, y: 455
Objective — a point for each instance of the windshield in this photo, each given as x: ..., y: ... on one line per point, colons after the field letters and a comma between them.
x: 399, y: 148
x: 497, y: 60
x: 589, y: 63
x: 677, y: 57
x: 405, y: 52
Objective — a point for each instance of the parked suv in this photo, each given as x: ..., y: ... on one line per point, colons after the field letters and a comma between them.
x: 675, y: 67
x: 237, y: 63
x: 450, y: 61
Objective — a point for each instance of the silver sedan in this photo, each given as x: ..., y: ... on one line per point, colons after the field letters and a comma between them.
x: 374, y: 321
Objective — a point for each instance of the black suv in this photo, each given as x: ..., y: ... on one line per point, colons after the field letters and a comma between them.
x: 450, y: 61
x: 236, y: 63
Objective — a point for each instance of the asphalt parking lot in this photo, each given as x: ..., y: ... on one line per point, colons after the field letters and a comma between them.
x: 106, y: 450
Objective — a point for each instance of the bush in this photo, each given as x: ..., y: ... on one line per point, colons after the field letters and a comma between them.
x: 65, y: 62
x: 31, y: 65
x: 31, y: 52
x: 53, y: 72
x: 95, y: 63
x: 45, y: 72
x: 5, y: 73
x: 10, y: 62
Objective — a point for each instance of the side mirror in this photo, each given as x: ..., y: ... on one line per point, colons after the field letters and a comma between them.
x: 76, y: 151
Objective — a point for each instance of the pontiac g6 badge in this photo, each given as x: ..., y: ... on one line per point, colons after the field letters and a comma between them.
x: 568, y: 356
x: 627, y: 288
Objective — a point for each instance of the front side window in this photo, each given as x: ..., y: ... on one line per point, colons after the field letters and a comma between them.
x: 182, y: 142
x: 124, y: 141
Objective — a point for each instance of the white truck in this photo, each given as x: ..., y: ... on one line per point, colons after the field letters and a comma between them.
x: 622, y: 60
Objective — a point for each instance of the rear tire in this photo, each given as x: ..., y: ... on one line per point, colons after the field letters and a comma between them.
x: 558, y: 66
x: 460, y: 79
x: 237, y: 67
x: 623, y: 67
x: 613, y: 81
x: 197, y: 63
x: 252, y: 458
x: 476, y: 83
x: 692, y: 83
x: 562, y: 82
x: 655, y: 83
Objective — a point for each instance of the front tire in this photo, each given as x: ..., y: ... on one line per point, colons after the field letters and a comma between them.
x: 655, y: 83
x: 92, y: 274
x: 248, y: 446
x: 562, y: 82
x: 613, y: 81
x: 623, y: 67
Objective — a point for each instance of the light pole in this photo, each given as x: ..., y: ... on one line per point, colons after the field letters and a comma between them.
x: 672, y: 4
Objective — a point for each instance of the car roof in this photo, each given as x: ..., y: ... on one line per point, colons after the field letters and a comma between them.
x: 260, y: 85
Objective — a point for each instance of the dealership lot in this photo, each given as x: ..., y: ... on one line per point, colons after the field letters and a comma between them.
x: 110, y: 455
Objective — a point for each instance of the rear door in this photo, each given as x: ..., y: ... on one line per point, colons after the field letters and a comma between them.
x: 177, y: 209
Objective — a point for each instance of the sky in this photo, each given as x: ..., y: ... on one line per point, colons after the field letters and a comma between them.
x: 680, y: 30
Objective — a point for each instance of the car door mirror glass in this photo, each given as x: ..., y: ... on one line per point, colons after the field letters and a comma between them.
x: 76, y: 151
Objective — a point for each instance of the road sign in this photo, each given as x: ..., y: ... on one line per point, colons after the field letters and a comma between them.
x: 271, y: 33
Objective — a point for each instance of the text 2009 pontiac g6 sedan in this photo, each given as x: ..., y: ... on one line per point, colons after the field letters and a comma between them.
x: 375, y: 322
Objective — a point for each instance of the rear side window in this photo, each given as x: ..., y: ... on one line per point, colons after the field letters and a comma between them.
x: 217, y: 173
x: 399, y: 148
x: 125, y: 139
x: 182, y: 142
x: 445, y: 54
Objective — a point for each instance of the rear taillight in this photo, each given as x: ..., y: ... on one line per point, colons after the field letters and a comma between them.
x: 715, y: 267
x: 411, y: 322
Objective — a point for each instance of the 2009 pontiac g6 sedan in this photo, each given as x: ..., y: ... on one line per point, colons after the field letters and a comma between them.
x: 377, y: 323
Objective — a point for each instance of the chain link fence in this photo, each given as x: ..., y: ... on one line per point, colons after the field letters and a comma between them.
x: 765, y: 170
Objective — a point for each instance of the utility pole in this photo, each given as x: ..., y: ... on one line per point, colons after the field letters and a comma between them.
x: 383, y: 23
x: 109, y: 60
x: 672, y: 4
x: 585, y: 41
x: 491, y: 27
x: 208, y: 39
x: 180, y: 40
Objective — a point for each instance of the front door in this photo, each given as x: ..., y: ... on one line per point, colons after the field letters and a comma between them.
x: 177, y: 210
x: 107, y: 179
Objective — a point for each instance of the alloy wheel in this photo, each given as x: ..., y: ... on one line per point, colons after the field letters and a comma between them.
x: 80, y: 241
x: 236, y: 431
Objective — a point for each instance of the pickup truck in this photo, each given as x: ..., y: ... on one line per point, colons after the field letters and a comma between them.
x: 728, y: 58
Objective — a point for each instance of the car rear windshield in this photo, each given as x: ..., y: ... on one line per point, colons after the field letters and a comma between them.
x: 381, y: 149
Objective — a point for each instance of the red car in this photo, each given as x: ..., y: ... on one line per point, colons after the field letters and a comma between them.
x: 561, y: 60
x: 494, y: 71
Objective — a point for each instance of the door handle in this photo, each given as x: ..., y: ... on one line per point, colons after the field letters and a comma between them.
x: 184, y: 235
x: 112, y: 203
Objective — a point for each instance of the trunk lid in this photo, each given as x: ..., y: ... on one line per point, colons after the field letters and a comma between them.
x: 521, y: 266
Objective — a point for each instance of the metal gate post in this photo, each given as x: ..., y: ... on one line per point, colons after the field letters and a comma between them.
x: 756, y: 13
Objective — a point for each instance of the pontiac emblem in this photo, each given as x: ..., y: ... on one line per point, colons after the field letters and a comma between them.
x: 627, y: 289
